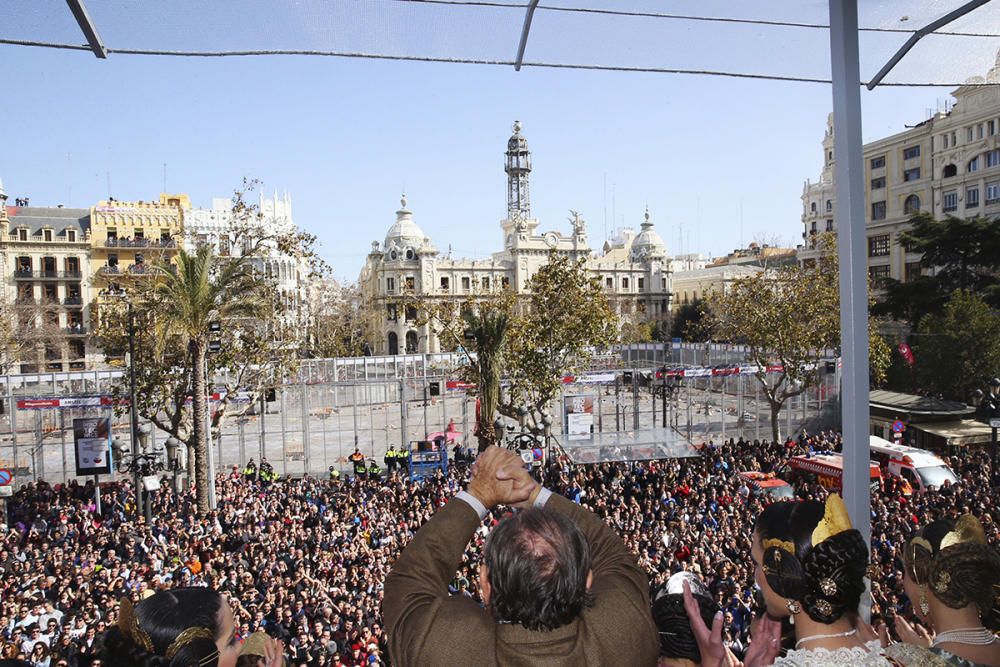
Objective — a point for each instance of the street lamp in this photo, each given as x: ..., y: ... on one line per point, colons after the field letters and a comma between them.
x: 140, y: 465
x: 988, y: 412
x: 173, y: 458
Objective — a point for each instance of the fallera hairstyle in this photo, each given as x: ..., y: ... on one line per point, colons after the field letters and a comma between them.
x: 538, y: 564
x: 164, y: 617
x: 837, y: 564
x: 676, y: 638
x: 960, y: 574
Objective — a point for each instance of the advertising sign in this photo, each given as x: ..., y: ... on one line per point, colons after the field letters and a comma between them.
x: 92, y: 442
x: 578, y: 412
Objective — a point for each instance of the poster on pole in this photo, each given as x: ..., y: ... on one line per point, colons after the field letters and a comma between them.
x: 578, y: 417
x: 92, y: 443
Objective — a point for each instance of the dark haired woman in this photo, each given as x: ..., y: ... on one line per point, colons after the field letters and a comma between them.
x: 678, y: 647
x: 952, y: 577
x: 810, y: 566
x: 183, y: 627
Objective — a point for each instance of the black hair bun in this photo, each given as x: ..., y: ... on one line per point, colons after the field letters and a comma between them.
x: 834, y: 572
x: 784, y: 573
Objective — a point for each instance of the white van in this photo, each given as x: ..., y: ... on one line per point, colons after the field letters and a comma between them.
x: 917, y: 466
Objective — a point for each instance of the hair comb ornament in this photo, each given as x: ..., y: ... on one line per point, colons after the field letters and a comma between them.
x: 942, y: 583
x: 128, y: 624
x: 967, y: 530
x: 835, y: 520
x: 185, y: 638
x: 783, y: 545
x: 824, y: 607
x: 828, y: 586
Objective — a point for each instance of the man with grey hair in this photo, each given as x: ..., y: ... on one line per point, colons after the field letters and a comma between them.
x: 558, y: 585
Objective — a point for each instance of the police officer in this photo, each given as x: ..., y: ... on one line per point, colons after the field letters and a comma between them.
x: 266, y: 471
x: 374, y: 469
x: 250, y: 471
x: 390, y: 459
x: 357, y: 459
x: 334, y: 474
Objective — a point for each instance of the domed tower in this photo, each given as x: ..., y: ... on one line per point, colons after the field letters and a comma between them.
x: 648, y: 245
x: 518, y: 167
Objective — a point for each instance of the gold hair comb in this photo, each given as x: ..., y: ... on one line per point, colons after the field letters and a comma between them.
x: 128, y: 624
x: 967, y: 529
x: 835, y: 520
x: 784, y: 545
x: 186, y: 637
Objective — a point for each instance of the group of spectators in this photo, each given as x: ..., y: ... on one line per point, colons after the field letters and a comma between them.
x: 305, y: 560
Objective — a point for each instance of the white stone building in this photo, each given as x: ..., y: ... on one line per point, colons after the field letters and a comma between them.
x: 947, y: 165
x: 214, y: 225
x: 635, y: 269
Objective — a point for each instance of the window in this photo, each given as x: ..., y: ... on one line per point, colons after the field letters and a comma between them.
x: 625, y: 283
x: 812, y: 227
x: 993, y: 192
x: 392, y: 312
x: 949, y: 171
x: 878, y: 162
x: 813, y: 207
x: 77, y: 349
x: 951, y: 200
x: 22, y: 235
x: 409, y: 253
x: 944, y: 140
x: 641, y: 284
x: 71, y: 235
x: 504, y: 282
x: 663, y: 283
x: 390, y: 285
x: 878, y: 183
x: 486, y: 283
x: 24, y: 264
x: 445, y: 282
x: 878, y: 246
x: 912, y: 204
x: 410, y: 313
x: 954, y: 138
x: 829, y: 156
x: 609, y: 283
x: 878, y: 210
x: 878, y: 274
x: 911, y: 152
x: 979, y: 131
x: 911, y: 174
x: 410, y: 284
x: 968, y: 134
x: 466, y: 282
x: 993, y: 158
x: 991, y: 127
x: 973, y: 164
x: 972, y: 197
x: 829, y: 205
x: 829, y: 225
x: 912, y: 271
x: 47, y: 235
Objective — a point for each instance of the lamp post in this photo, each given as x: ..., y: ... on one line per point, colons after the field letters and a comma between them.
x: 173, y: 458
x: 988, y: 411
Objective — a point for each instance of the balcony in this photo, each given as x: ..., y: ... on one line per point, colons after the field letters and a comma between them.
x: 78, y: 330
x: 73, y: 301
x: 140, y: 243
x: 28, y: 274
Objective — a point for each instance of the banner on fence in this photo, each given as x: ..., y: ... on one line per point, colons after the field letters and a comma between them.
x: 92, y: 442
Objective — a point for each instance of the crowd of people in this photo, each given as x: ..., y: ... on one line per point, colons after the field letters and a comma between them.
x: 305, y: 560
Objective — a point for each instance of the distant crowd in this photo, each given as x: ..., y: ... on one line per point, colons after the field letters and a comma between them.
x: 305, y: 560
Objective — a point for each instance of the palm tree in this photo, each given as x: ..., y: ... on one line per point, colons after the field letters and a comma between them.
x: 199, y: 289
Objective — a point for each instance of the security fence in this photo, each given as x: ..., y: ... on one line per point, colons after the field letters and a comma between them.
x: 333, y: 406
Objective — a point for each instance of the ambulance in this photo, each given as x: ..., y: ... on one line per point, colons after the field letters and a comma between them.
x: 920, y: 468
x: 767, y: 484
x: 828, y: 470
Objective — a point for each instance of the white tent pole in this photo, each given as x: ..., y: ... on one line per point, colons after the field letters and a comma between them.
x: 850, y: 216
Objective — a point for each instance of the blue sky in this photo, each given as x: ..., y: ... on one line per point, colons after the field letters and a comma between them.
x: 346, y: 137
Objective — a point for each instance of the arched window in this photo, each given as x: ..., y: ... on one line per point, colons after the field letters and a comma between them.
x: 393, y: 343
x: 912, y: 204
x: 829, y: 204
x: 949, y: 171
x: 411, y: 342
x: 812, y: 207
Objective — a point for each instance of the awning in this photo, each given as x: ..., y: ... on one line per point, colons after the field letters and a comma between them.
x: 960, y: 432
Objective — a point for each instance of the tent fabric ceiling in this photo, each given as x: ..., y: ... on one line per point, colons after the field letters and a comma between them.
x: 769, y: 39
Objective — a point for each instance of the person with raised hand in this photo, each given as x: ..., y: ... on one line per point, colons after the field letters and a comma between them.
x: 558, y: 586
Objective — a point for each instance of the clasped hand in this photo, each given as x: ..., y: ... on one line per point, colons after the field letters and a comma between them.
x: 499, y: 477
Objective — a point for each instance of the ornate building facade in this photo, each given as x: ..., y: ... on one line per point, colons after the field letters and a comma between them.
x: 634, y: 268
x: 946, y: 165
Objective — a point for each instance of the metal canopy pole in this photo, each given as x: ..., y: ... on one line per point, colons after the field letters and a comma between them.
x: 87, y: 26
x: 850, y: 217
x: 528, y: 14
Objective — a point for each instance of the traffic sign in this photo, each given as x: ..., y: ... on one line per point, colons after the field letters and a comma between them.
x: 994, y: 422
x: 6, y: 477
x: 898, y: 426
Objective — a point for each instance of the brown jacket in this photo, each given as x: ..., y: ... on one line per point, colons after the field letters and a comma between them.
x: 427, y: 627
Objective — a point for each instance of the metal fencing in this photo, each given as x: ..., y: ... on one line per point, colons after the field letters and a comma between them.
x: 370, y: 403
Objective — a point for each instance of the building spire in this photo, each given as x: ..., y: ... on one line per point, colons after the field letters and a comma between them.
x: 518, y: 168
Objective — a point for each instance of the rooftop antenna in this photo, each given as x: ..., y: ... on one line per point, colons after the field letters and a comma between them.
x: 164, y: 177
